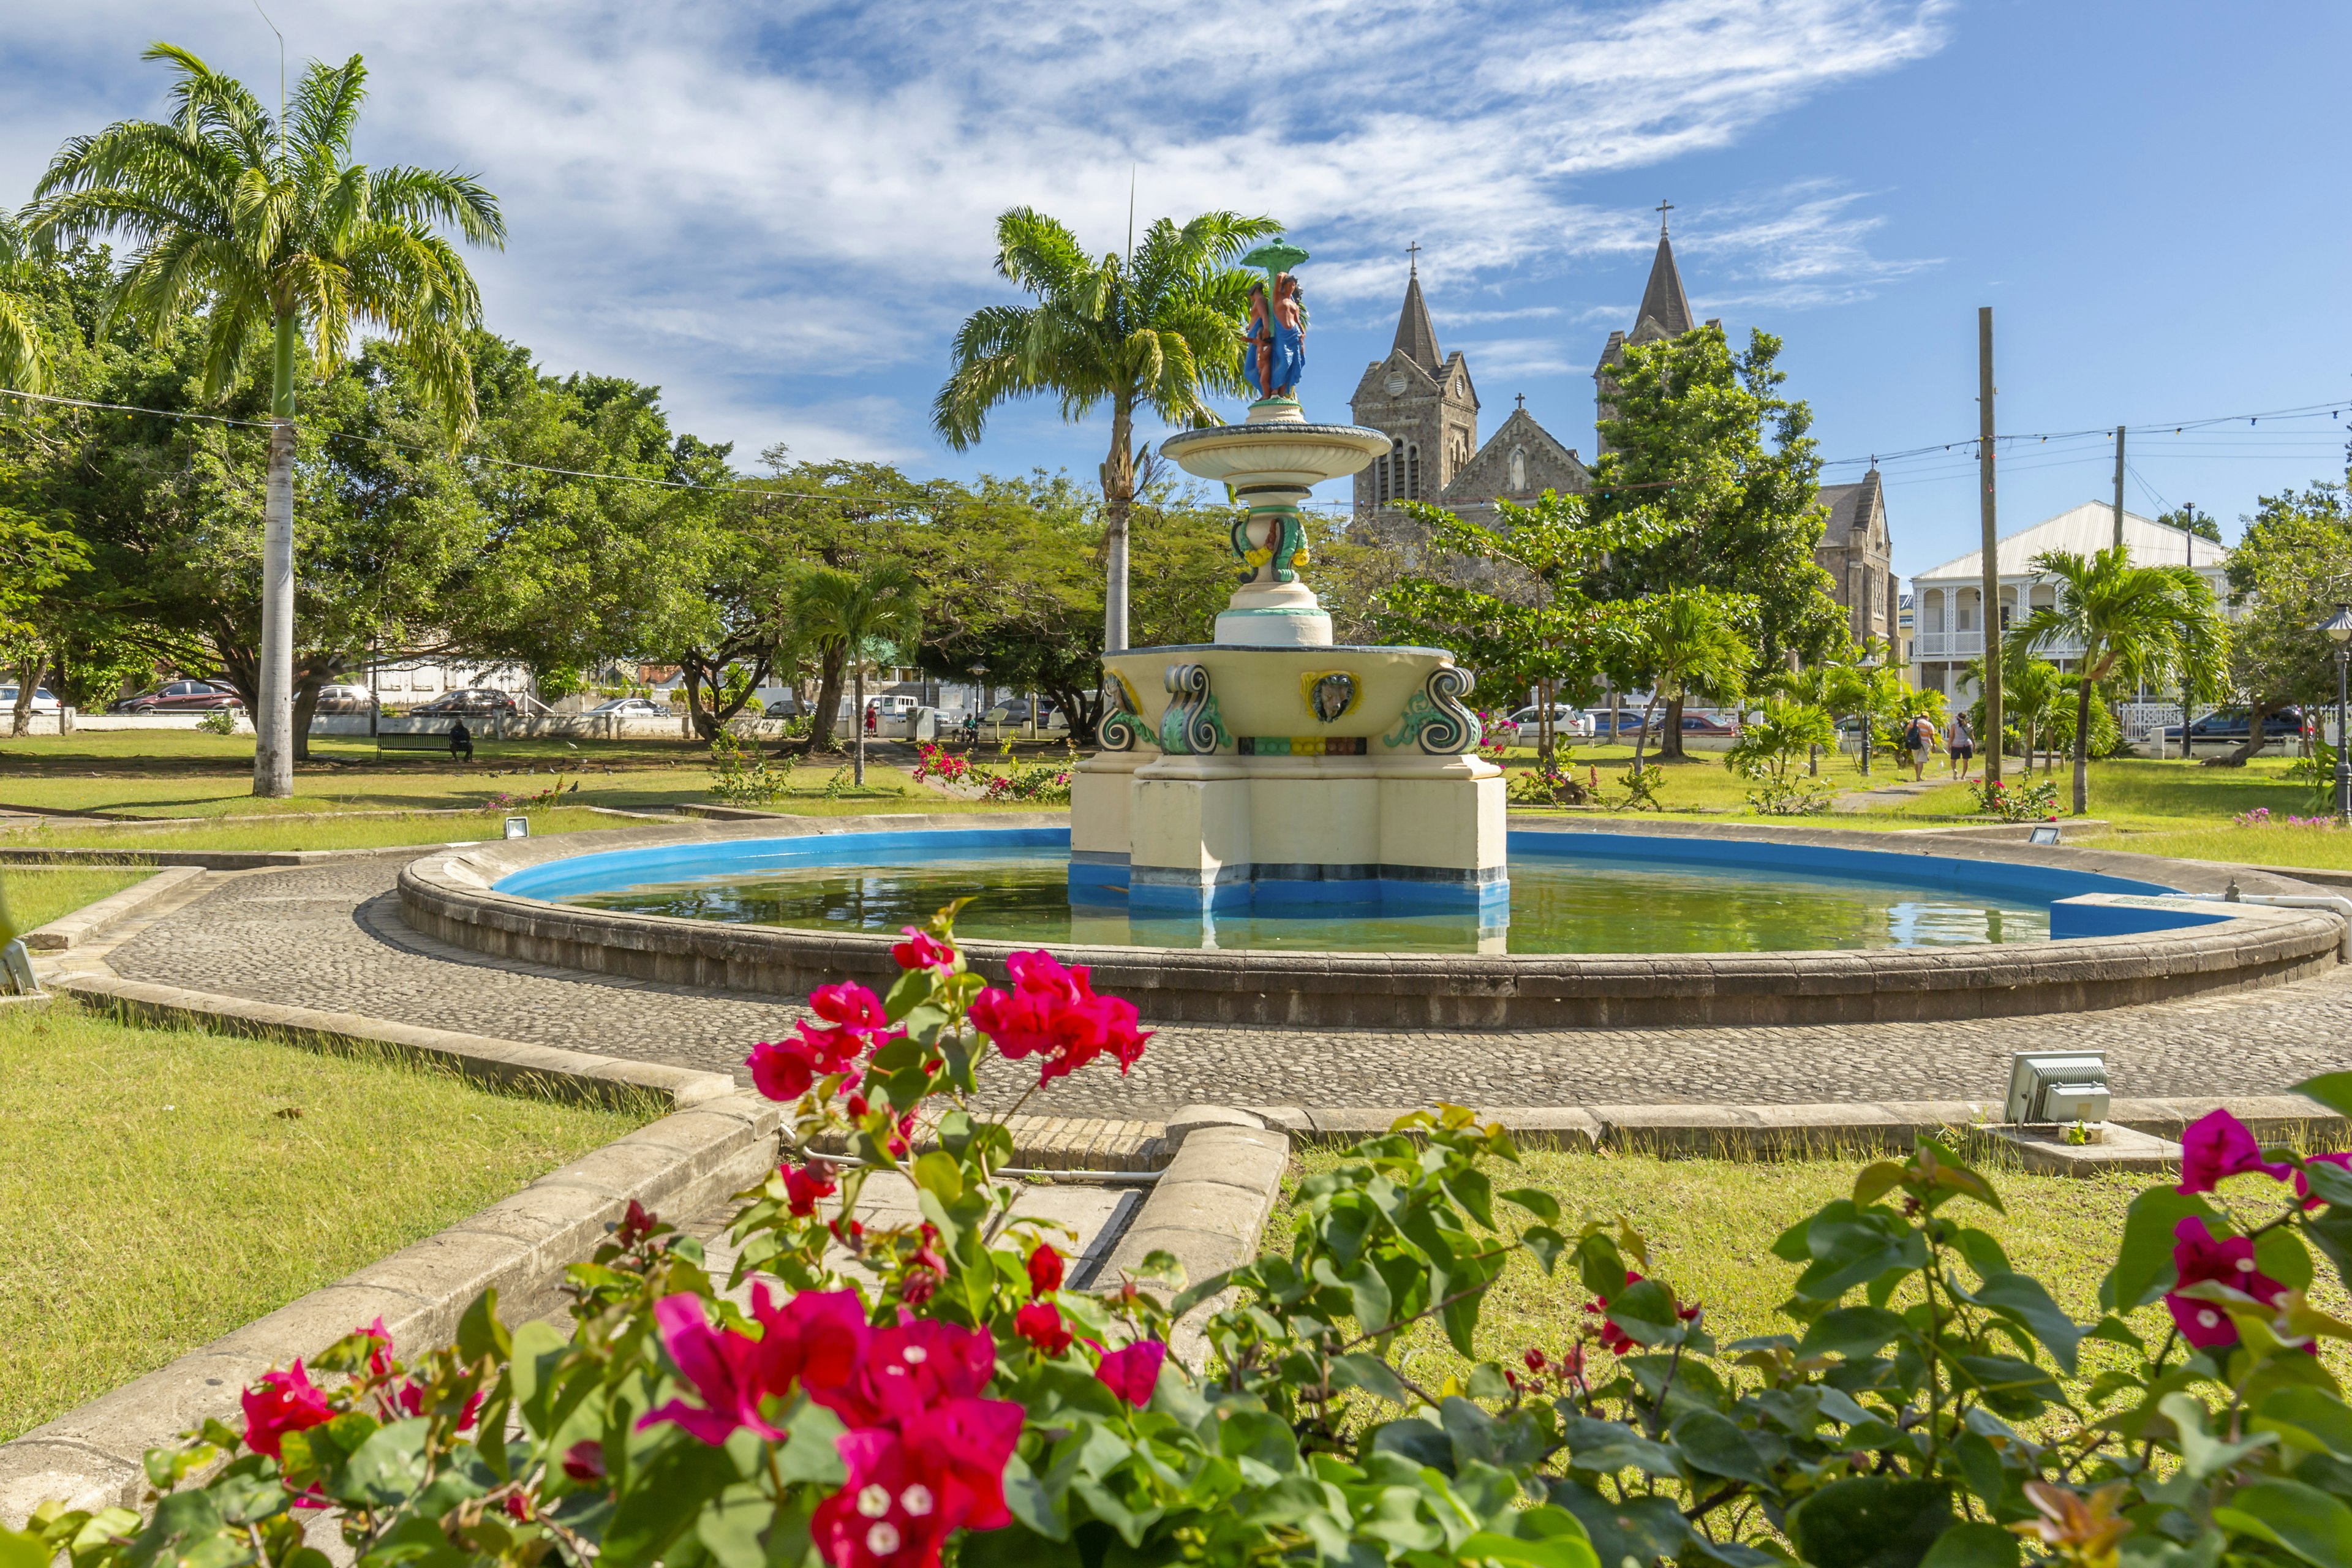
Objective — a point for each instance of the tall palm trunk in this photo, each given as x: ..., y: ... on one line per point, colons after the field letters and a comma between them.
x: 1118, y: 497
x: 273, y: 726
x: 1641, y: 737
x: 2083, y: 747
x: 857, y: 721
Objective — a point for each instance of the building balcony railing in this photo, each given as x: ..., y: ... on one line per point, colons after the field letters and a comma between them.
x: 1941, y: 645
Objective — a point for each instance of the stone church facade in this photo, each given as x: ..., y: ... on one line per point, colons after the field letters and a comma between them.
x: 1427, y: 406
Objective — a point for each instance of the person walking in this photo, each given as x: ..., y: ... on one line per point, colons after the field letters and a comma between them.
x: 1962, y: 744
x: 1918, y: 739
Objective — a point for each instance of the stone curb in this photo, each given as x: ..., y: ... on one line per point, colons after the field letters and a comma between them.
x: 1208, y: 1208
x: 92, y: 919
x: 479, y: 1058
x: 1781, y: 1129
x: 90, y: 1457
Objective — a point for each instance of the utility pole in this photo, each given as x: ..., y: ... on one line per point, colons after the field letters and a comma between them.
x: 2119, y: 487
x: 1991, y: 738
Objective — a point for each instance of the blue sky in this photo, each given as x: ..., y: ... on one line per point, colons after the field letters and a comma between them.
x: 779, y: 212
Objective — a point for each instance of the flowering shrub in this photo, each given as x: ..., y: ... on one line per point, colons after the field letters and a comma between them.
x: 740, y: 772
x: 2026, y: 802
x: 1552, y: 784
x: 2261, y: 818
x: 1043, y: 782
x: 540, y: 800
x: 1789, y: 797
x: 935, y: 1392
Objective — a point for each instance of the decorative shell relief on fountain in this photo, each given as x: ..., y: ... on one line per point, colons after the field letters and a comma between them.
x: 1191, y: 726
x: 1121, y: 724
x: 1436, y: 717
x: 1330, y: 694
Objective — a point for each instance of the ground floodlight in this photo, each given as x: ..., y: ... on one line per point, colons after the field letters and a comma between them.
x: 518, y: 827
x: 2045, y: 833
x: 2056, y: 1086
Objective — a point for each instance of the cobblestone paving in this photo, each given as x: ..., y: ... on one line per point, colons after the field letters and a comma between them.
x: 332, y: 937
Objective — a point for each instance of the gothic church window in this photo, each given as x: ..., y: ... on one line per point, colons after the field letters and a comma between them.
x: 1412, y: 470
x: 1519, y: 470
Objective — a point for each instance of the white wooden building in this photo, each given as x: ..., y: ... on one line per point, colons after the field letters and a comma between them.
x: 1947, y: 601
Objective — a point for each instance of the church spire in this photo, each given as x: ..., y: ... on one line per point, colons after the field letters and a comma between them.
x: 1415, y: 337
x: 1662, y: 301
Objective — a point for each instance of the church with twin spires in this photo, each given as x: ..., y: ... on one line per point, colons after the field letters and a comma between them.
x: 1425, y: 403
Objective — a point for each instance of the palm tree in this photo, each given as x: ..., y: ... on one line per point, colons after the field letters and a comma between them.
x: 268, y: 227
x: 2132, y: 623
x: 851, y: 611
x: 1689, y: 645
x: 2028, y: 694
x: 1769, y: 740
x: 1159, y: 329
x: 1834, y: 686
x: 23, y: 357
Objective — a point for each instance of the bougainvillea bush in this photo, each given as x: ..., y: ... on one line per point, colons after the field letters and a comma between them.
x: 938, y: 1393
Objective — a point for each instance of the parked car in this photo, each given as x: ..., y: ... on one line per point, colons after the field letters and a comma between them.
x: 2230, y: 727
x: 630, y: 708
x: 343, y: 697
x: 43, y: 701
x: 1572, y: 722
x: 473, y: 700
x: 181, y: 697
x: 1707, y: 724
x: 1016, y: 709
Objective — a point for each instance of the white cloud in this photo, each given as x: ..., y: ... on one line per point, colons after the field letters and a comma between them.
x: 710, y: 197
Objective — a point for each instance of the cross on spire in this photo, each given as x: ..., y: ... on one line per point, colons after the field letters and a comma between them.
x: 1412, y: 258
x: 1663, y: 208
x: 1523, y: 402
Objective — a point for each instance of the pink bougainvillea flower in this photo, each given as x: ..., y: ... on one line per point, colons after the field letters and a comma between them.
x: 921, y: 950
x: 804, y: 1185
x: 909, y: 1368
x: 2342, y: 1159
x: 781, y: 1069
x: 722, y: 1364
x: 1040, y: 1322
x: 2200, y: 1257
x: 1044, y: 1271
x: 283, y: 1401
x: 2216, y: 1145
x: 584, y: 1460
x: 926, y: 1270
x: 909, y: 1490
x: 815, y: 1339
x: 1052, y: 1012
x: 1133, y: 1371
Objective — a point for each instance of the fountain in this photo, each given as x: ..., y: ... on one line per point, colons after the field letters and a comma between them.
x: 1274, y: 768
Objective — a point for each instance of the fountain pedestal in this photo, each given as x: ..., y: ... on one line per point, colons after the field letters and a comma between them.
x: 1272, y: 767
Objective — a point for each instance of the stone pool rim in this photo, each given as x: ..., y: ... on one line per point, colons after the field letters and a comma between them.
x: 447, y: 895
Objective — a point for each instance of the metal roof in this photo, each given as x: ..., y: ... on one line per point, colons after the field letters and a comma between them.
x: 2084, y: 530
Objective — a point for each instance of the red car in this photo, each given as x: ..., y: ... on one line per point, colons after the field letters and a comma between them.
x: 181, y: 697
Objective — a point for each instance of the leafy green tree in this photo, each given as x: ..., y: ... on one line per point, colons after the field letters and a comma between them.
x: 2188, y: 519
x: 1773, y: 735
x: 2133, y: 624
x: 853, y: 611
x: 1705, y: 437
x: 1513, y: 602
x: 24, y: 345
x: 2291, y: 567
x: 1689, y: 643
x: 1156, y: 330
x: 268, y: 225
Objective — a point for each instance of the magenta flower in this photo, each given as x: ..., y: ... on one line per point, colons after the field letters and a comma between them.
x: 921, y: 950
x: 285, y: 1401
x: 722, y: 1365
x: 1133, y: 1373
x: 2218, y: 1145
x: 2200, y: 1258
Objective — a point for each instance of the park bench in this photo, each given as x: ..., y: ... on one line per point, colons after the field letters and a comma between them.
x: 413, y: 740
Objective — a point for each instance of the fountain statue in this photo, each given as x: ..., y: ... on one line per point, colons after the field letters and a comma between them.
x: 1271, y: 766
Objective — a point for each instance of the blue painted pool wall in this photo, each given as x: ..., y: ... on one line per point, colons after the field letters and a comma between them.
x: 2000, y: 878
x: 2069, y: 919
x: 615, y: 869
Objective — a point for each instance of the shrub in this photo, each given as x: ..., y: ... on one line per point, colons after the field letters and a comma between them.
x: 741, y: 774
x: 943, y: 1395
x: 2022, y: 802
x: 1552, y: 784
x: 1789, y: 797
x: 219, y: 722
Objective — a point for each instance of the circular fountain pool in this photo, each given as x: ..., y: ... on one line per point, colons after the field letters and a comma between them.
x: 1668, y: 925
x: 1570, y: 893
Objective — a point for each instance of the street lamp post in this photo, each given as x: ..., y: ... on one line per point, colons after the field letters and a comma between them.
x: 2339, y: 627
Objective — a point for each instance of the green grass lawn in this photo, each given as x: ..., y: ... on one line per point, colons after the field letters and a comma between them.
x: 1709, y: 1224
x: 161, y: 1187
x: 307, y: 830
x: 35, y: 895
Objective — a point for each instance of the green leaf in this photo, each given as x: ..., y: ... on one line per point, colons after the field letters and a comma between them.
x: 1030, y: 1503
x: 1852, y: 1332
x: 1536, y: 1201
x: 1372, y: 1375
x: 2281, y: 1254
x: 2303, y: 1519
x: 2021, y: 1297
x: 18, y: 1550
x: 1546, y: 1243
x: 2202, y: 1455
x: 385, y: 1470
x: 1973, y: 1544
x: 2329, y: 1181
x: 2143, y: 1268
x: 938, y: 1173
x: 1559, y: 1552
x: 480, y: 1332
x: 2309, y: 1418
x: 810, y: 1453
x: 1646, y: 1312
x: 1876, y: 1182
x: 1715, y: 1443
x: 2332, y: 1089
x: 2008, y: 1386
x: 731, y: 1526
x: 1422, y: 1442
x: 668, y: 1489
x: 1643, y: 1528
x: 1870, y: 1521
x: 1194, y: 1295
x: 1605, y: 1448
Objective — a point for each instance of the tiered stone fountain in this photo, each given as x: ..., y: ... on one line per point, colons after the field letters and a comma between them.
x: 1273, y: 765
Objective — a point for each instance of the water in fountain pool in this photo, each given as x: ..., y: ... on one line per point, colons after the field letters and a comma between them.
x: 1556, y: 906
